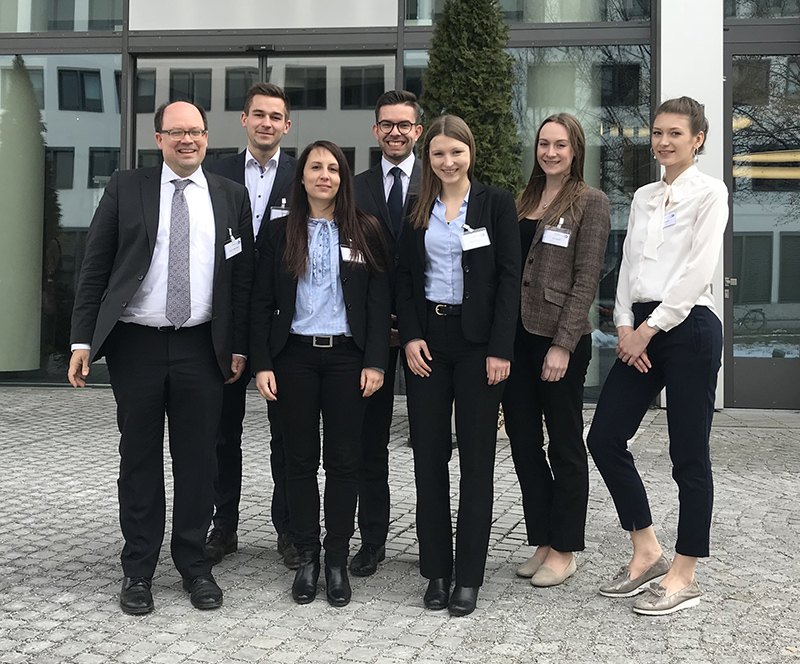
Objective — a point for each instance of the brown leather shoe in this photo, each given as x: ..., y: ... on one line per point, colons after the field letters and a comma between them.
x: 291, y: 558
x: 220, y: 543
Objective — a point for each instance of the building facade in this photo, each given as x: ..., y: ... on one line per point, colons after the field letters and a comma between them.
x: 80, y: 80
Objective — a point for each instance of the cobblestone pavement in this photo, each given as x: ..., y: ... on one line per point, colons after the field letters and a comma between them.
x: 60, y: 574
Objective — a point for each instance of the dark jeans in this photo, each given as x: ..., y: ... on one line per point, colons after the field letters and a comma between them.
x: 458, y: 371
x: 686, y: 361
x: 153, y: 374
x: 555, y: 494
x: 312, y: 381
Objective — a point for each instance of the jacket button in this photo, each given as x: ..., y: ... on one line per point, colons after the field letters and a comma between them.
x: 277, y: 312
x: 466, y: 296
x: 344, y: 280
x: 466, y: 268
x: 349, y: 307
x: 530, y: 261
x: 526, y: 283
x: 140, y: 277
x: 124, y: 304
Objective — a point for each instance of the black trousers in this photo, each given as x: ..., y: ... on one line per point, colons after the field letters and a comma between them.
x: 228, y: 481
x: 555, y: 495
x: 153, y: 374
x: 312, y: 381
x: 373, y: 469
x: 686, y: 361
x: 458, y: 372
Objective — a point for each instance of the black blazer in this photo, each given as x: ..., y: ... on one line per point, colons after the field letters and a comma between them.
x: 233, y: 169
x: 366, y: 300
x: 491, y: 275
x: 370, y: 197
x: 119, y: 249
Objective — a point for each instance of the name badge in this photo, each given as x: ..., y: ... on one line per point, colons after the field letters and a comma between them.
x: 670, y: 219
x: 233, y: 247
x: 278, y: 211
x: 351, y: 256
x: 473, y: 239
x: 556, y: 235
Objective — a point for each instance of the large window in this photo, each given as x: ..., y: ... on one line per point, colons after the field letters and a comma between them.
x: 35, y: 76
x: 762, y: 8
x: 789, y: 284
x: 238, y: 80
x: 102, y: 163
x: 61, y: 162
x: 752, y: 256
x: 307, y: 87
x: 192, y: 85
x: 80, y: 90
x: 361, y: 86
x: 426, y: 12
x: 60, y: 15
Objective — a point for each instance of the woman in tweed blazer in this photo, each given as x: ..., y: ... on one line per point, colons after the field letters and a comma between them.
x: 564, y: 226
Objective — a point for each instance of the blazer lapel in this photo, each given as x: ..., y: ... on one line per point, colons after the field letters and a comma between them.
x: 375, y: 183
x: 151, y: 194
x: 477, y: 197
x: 281, y: 178
x: 218, y: 203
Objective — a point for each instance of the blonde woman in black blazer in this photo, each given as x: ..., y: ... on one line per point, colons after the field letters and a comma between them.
x: 320, y: 344
x: 564, y: 226
x: 457, y: 303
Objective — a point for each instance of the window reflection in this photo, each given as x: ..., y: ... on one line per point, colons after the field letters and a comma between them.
x: 60, y: 15
x: 762, y: 8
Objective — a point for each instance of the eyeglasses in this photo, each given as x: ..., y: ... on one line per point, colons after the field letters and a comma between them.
x: 403, y: 127
x: 178, y: 134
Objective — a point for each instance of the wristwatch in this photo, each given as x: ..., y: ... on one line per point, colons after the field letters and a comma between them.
x: 651, y: 324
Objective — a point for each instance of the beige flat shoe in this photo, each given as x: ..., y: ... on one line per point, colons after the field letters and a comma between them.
x: 546, y: 577
x: 527, y: 569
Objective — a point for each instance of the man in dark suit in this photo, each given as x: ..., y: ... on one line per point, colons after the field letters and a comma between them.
x: 383, y: 191
x: 267, y: 172
x: 164, y: 295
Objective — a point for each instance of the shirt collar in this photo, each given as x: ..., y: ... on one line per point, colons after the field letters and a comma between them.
x: 250, y: 160
x: 463, y: 203
x: 407, y: 165
x: 683, y: 178
x: 198, y: 177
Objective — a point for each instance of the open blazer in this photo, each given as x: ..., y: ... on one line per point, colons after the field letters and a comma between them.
x: 491, y: 275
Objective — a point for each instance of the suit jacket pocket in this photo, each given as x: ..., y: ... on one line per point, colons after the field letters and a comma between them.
x: 556, y: 297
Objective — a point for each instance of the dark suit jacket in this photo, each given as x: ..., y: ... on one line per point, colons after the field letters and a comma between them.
x: 491, y: 275
x: 366, y: 299
x: 559, y: 283
x: 370, y: 197
x: 119, y: 249
x: 233, y: 169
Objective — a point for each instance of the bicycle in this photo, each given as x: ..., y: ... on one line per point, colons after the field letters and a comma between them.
x: 751, y: 320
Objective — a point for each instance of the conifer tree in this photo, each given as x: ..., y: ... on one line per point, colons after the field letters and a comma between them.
x: 470, y: 75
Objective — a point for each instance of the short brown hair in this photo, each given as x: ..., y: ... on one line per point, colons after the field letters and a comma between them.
x: 394, y: 97
x: 268, y: 90
x: 158, y: 119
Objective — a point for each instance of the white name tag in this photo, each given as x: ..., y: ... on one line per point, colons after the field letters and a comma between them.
x: 670, y: 219
x: 233, y: 247
x: 276, y: 212
x: 556, y: 235
x: 475, y: 239
x: 351, y: 256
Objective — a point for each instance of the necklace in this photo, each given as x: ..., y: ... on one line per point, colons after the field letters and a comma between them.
x: 544, y: 205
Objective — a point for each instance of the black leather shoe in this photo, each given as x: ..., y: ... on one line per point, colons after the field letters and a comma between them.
x: 337, y: 585
x: 365, y: 562
x: 437, y: 594
x: 220, y: 543
x: 304, y: 588
x: 205, y: 593
x: 462, y: 601
x: 135, y: 597
x: 286, y: 547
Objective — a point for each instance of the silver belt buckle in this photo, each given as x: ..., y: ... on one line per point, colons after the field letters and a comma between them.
x: 439, y: 312
x: 322, y: 341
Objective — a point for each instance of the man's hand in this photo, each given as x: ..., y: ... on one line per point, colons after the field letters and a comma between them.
x: 497, y: 369
x: 78, y: 368
x: 237, y: 367
x: 371, y: 381
x: 555, y: 364
x: 416, y: 354
x: 265, y: 382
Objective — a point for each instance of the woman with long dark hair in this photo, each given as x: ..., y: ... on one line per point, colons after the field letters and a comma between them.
x: 563, y: 226
x: 319, y: 344
x: 669, y: 336
x: 457, y: 302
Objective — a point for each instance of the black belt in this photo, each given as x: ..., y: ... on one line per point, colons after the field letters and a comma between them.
x: 321, y: 340
x: 444, y: 309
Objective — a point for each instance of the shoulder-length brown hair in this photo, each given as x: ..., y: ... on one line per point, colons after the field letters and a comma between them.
x: 574, y: 186
x: 361, y: 230
x: 431, y: 186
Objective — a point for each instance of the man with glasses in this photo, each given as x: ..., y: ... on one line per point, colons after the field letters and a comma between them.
x: 267, y: 172
x: 164, y: 295
x: 383, y: 191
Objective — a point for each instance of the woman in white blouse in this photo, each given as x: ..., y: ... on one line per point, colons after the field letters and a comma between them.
x: 670, y: 336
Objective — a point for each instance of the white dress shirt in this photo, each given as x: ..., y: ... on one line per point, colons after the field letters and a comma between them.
x: 259, y: 182
x: 149, y: 303
x: 672, y: 248
x: 405, y: 167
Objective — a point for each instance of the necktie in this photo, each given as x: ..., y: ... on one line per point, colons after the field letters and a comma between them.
x: 395, y: 200
x: 179, y: 300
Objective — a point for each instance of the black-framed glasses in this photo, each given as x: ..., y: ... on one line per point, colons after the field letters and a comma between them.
x: 178, y: 134
x: 403, y: 127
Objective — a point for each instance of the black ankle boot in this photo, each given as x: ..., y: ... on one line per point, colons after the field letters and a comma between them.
x: 337, y: 585
x: 304, y: 588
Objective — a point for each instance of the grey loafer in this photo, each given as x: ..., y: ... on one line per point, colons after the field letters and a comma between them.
x: 656, y: 602
x: 623, y: 585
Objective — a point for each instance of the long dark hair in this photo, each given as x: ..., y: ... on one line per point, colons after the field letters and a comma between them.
x: 451, y: 126
x: 572, y: 189
x: 361, y: 230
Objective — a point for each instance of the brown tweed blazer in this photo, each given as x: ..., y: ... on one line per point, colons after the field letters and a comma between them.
x: 559, y: 283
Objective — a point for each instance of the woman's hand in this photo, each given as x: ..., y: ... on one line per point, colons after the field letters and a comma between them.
x: 371, y: 381
x: 416, y: 354
x: 497, y: 369
x: 555, y: 364
x: 632, y: 345
x: 265, y: 382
